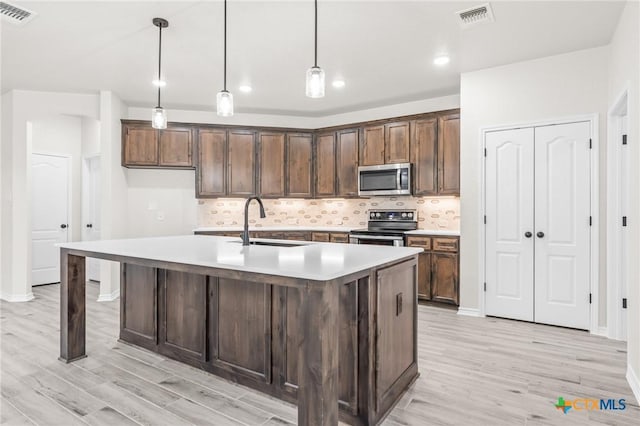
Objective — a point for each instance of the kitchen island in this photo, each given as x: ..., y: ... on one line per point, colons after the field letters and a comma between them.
x: 329, y: 326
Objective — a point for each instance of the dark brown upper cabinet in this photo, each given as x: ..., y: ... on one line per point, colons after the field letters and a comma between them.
x: 396, y: 142
x: 299, y: 165
x: 241, y: 166
x: 449, y: 154
x: 144, y: 147
x: 212, y: 163
x: 347, y: 163
x: 424, y: 156
x: 325, y: 180
x: 271, y: 157
x: 372, y: 146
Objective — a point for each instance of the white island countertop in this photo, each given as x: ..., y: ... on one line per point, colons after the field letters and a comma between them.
x: 310, y: 260
x: 276, y: 228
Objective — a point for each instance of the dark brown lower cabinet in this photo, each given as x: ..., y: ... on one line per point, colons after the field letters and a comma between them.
x: 438, y: 268
x: 250, y: 332
x: 444, y: 286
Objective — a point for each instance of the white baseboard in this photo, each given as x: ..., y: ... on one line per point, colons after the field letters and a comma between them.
x: 601, y: 331
x: 17, y: 297
x: 469, y: 312
x: 634, y: 383
x: 109, y: 297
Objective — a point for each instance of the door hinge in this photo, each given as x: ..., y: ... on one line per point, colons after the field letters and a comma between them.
x: 624, y: 221
x: 485, y: 152
x: 485, y: 286
x: 624, y: 303
x: 590, y: 221
x: 590, y: 296
x: 590, y: 143
x: 485, y: 219
x: 624, y: 139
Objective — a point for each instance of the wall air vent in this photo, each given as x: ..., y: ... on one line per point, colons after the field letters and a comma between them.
x: 475, y: 15
x: 14, y: 14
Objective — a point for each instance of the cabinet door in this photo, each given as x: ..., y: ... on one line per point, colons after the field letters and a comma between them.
x: 372, y: 146
x: 449, y: 154
x: 138, y: 301
x: 396, y: 141
x: 175, y: 147
x: 424, y: 157
x: 424, y: 276
x: 339, y: 237
x: 271, y: 159
x: 140, y: 146
x: 347, y: 162
x: 299, y: 169
x: 325, y: 165
x: 444, y: 286
x: 320, y: 236
x: 212, y: 163
x: 241, y: 172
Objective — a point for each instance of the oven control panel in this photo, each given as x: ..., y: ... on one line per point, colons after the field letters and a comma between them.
x: 392, y: 215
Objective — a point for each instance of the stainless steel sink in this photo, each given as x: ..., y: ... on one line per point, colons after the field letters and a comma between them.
x: 270, y: 243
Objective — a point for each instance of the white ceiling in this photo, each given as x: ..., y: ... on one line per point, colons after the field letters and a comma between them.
x: 384, y: 50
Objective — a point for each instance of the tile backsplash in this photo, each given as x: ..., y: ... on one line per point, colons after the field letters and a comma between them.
x: 433, y: 212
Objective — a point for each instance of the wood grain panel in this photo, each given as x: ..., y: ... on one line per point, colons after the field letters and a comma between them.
x: 212, y: 163
x: 325, y: 181
x: 140, y: 147
x: 396, y: 142
x: 424, y: 149
x: 339, y: 237
x: 449, y: 154
x: 72, y: 307
x: 445, y: 244
x: 299, y: 176
x: 175, y: 147
x: 271, y: 154
x: 241, y: 168
x: 320, y: 236
x: 372, y: 146
x: 444, y: 287
x: 138, y: 300
x: 347, y: 162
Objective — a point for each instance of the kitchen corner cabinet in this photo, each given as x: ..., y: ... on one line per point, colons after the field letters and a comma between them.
x: 385, y: 144
x: 347, y: 163
x: 449, y: 154
x: 241, y: 166
x: 438, y: 268
x: 146, y: 147
x: 325, y: 171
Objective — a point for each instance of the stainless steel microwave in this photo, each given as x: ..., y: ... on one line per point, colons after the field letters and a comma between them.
x: 386, y: 179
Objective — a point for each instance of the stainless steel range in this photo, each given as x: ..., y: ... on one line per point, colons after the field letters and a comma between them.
x: 385, y: 228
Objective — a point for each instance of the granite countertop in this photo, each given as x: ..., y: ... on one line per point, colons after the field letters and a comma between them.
x: 310, y: 260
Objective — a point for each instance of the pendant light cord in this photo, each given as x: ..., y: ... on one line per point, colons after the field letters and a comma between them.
x: 159, y: 63
x: 225, y: 45
x: 315, y: 59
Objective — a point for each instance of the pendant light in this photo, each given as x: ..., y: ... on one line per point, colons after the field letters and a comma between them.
x: 315, y: 74
x: 159, y: 116
x: 224, y: 100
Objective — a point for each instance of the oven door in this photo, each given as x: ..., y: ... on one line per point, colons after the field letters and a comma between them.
x: 377, y: 240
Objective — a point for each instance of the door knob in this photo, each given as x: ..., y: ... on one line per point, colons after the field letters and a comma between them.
x: 540, y: 234
x: 63, y: 226
x: 528, y: 234
x: 89, y: 225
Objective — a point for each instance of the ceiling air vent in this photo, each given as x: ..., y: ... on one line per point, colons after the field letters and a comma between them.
x: 15, y: 14
x: 475, y: 15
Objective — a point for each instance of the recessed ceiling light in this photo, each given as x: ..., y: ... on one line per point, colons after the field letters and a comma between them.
x: 245, y: 89
x: 441, y: 60
x: 338, y: 83
x: 159, y: 83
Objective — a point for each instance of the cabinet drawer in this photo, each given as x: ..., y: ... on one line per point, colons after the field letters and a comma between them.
x: 297, y: 236
x: 320, y: 236
x: 445, y: 244
x: 339, y: 238
x: 422, y: 242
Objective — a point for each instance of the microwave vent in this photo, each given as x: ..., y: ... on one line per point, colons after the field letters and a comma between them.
x: 15, y: 14
x: 475, y: 15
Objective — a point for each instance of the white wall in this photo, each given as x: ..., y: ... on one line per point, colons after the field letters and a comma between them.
x: 624, y: 73
x: 553, y: 87
x: 21, y: 107
x: 62, y: 135
x: 90, y: 136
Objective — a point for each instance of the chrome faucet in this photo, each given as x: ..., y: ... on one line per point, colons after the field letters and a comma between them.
x: 245, y: 233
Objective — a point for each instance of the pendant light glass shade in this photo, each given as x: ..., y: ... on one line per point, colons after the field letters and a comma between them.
x: 315, y: 82
x: 159, y: 118
x: 224, y: 103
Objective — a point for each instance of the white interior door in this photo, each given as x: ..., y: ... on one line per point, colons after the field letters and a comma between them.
x: 49, y: 215
x: 562, y: 213
x: 509, y: 228
x: 624, y: 235
x: 92, y: 212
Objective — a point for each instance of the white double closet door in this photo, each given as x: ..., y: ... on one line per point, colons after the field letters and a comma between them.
x: 537, y: 227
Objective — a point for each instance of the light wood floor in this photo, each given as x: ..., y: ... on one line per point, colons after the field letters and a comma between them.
x: 474, y: 371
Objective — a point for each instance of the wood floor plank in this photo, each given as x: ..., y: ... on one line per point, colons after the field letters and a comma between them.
x: 200, y: 415
x: 10, y: 415
x: 107, y: 416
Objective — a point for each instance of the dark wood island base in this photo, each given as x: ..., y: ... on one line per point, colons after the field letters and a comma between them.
x: 344, y: 348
